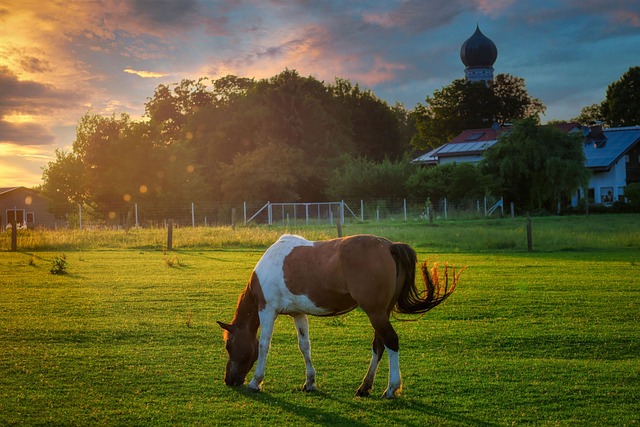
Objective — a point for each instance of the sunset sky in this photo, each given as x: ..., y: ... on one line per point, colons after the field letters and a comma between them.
x: 60, y: 59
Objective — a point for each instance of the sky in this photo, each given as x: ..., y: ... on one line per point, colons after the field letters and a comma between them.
x: 62, y: 59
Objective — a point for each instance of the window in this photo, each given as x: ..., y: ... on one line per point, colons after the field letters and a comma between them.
x: 474, y: 136
x: 17, y: 214
x: 30, y: 218
x: 606, y: 195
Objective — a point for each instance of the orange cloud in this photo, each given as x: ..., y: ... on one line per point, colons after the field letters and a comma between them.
x: 145, y: 74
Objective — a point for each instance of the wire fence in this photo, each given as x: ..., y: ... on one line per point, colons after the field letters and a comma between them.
x: 206, y: 214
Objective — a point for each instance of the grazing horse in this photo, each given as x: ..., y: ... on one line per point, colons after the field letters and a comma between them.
x: 298, y: 277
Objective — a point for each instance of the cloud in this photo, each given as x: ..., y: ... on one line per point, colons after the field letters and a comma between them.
x: 145, y: 74
x: 31, y: 97
x: 25, y: 133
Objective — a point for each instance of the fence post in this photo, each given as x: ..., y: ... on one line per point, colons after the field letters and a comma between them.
x: 341, y: 212
x: 513, y: 210
x: 405, y: 210
x: 193, y: 216
x: 136, y: 207
x: 485, y: 205
x: 244, y: 205
x: 233, y: 218
x: 445, y: 208
x: 14, y: 232
x: 361, y: 210
x: 529, y: 234
x: 270, y: 212
x: 170, y: 235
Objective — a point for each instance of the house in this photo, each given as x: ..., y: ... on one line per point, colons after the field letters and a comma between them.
x: 27, y: 206
x: 468, y: 147
x: 612, y: 155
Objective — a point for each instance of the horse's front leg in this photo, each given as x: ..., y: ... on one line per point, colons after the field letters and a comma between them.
x: 302, y: 327
x: 267, y: 320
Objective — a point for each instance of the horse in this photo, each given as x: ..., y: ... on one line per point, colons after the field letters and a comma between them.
x: 298, y: 277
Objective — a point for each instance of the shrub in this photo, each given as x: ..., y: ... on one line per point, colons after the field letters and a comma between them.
x: 59, y: 264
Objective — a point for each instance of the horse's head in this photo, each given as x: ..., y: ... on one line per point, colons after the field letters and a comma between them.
x: 242, y: 346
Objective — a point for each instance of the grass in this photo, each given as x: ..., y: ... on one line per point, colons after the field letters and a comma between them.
x: 124, y: 338
x: 568, y: 233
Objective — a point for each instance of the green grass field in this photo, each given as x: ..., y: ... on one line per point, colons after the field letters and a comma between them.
x: 128, y: 336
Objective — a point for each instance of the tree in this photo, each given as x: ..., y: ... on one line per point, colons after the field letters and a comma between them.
x: 274, y: 172
x: 589, y: 115
x: 361, y: 178
x: 63, y: 183
x: 620, y: 107
x: 472, y: 105
x: 536, y: 165
x: 376, y: 127
x: 514, y: 102
x: 632, y: 193
x: 456, y: 181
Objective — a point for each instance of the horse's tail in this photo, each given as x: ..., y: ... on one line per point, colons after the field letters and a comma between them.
x: 411, y: 300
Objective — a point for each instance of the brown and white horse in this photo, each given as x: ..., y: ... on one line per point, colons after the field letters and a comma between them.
x: 298, y: 277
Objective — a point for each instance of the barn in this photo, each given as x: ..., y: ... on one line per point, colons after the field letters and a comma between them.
x: 28, y: 207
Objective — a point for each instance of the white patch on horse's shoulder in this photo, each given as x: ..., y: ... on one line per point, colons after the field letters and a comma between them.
x: 270, y: 271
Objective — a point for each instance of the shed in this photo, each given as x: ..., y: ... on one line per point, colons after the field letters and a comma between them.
x: 27, y: 206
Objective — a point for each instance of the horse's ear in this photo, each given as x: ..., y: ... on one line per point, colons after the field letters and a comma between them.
x: 226, y: 326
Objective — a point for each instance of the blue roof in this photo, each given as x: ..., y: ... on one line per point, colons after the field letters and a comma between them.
x: 618, y: 142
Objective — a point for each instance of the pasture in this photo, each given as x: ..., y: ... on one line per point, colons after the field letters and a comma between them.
x: 128, y: 335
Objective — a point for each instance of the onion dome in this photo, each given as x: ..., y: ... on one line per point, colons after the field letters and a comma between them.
x: 478, y: 50
x: 478, y: 53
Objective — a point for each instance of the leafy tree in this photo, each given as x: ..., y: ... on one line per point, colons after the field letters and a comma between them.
x: 361, y: 178
x: 632, y: 193
x: 273, y: 172
x: 376, y: 127
x: 472, y: 105
x: 63, y: 183
x: 535, y: 165
x: 589, y: 115
x: 456, y: 181
x: 514, y: 102
x: 620, y: 107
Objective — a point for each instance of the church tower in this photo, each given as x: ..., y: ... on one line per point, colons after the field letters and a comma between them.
x: 478, y: 53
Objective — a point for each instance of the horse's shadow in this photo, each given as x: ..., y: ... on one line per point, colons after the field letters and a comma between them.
x: 379, y: 414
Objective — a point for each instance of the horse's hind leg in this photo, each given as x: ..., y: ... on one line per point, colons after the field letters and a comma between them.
x: 376, y: 354
x: 302, y: 327
x: 383, y: 328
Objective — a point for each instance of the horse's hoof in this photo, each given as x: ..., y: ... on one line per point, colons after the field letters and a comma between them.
x: 363, y: 393
x: 389, y: 394
x: 309, y: 388
x: 252, y: 388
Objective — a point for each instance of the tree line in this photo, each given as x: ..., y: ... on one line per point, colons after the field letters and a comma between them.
x: 287, y: 138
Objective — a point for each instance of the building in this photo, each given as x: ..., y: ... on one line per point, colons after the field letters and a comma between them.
x: 478, y: 53
x: 28, y: 207
x: 612, y: 155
